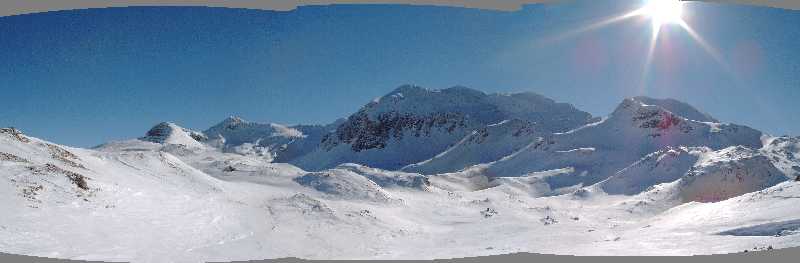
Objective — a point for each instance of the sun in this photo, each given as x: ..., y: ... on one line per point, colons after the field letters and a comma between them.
x: 663, y: 12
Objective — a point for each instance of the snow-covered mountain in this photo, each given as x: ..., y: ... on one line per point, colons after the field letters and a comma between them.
x: 412, y: 124
x: 699, y: 173
x: 171, y: 133
x: 416, y: 174
x: 598, y: 150
x: 276, y: 142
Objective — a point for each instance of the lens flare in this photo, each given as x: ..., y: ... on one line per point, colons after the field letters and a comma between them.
x: 663, y: 12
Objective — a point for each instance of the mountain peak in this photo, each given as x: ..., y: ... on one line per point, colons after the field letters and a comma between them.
x: 406, y: 88
x: 524, y: 94
x: 14, y: 132
x: 232, y: 121
x: 413, y: 91
x: 641, y: 105
x: 677, y: 107
x: 463, y: 90
x: 171, y: 133
x: 633, y: 105
x: 627, y: 105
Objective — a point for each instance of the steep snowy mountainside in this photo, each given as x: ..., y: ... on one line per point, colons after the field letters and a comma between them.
x: 785, y: 154
x: 412, y: 124
x: 677, y: 176
x: 23, y: 149
x: 483, y: 145
x: 651, y: 127
x: 37, y: 172
x: 547, y: 114
x: 313, y: 135
x: 727, y: 173
x: 701, y: 174
x: 599, y: 150
x: 663, y: 166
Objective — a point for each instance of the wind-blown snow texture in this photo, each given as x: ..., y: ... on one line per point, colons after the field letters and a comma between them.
x: 414, y: 174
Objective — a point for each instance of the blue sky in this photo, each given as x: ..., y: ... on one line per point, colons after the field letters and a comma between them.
x: 88, y: 76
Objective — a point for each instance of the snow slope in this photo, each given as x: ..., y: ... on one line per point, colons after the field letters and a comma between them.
x: 483, y: 145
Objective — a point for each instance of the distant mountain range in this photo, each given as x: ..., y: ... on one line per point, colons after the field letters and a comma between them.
x: 430, y: 132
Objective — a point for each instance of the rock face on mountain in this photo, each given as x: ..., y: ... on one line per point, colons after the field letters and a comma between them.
x: 412, y: 124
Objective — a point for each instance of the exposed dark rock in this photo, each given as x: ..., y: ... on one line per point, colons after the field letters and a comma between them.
x: 63, y: 155
x: 77, y: 179
x: 364, y: 133
x: 489, y: 212
x: 12, y: 158
x: 548, y: 220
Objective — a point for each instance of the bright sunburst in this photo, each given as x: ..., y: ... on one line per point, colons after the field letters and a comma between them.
x: 660, y: 13
x: 663, y: 12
